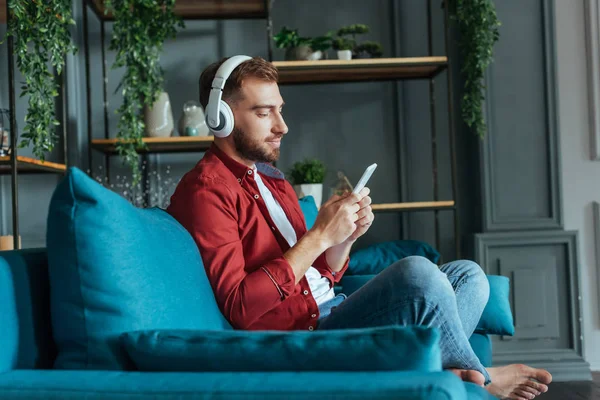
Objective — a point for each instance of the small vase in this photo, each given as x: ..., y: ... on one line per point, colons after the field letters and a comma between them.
x: 310, y: 189
x: 344, y: 54
x: 192, y: 121
x: 159, y: 117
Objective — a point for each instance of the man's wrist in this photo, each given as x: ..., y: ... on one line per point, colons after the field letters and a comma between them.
x: 317, y: 240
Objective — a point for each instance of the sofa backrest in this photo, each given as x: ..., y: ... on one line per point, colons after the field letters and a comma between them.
x: 25, y: 328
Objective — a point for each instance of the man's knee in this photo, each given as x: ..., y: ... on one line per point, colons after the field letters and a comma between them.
x: 419, y: 277
x: 477, y: 279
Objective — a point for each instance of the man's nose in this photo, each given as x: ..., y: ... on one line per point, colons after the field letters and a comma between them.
x: 280, y: 127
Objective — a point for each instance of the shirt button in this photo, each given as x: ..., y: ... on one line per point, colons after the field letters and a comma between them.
x: 314, y: 316
x: 273, y: 227
x: 305, y: 292
x: 249, y: 172
x: 239, y: 180
x: 256, y: 196
x: 310, y: 328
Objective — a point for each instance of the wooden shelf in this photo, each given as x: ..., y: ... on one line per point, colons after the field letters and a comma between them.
x: 204, y: 9
x: 413, y: 206
x: 373, y: 69
x: 30, y: 165
x: 175, y: 144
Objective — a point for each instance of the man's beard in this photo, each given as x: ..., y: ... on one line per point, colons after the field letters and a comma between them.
x: 252, y: 149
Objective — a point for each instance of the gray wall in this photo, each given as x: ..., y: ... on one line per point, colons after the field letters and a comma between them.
x: 579, y: 173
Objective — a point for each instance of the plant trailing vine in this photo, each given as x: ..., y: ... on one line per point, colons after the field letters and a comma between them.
x: 478, y: 28
x: 139, y: 32
x: 40, y: 30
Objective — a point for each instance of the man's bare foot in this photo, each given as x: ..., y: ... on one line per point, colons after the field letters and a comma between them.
x: 518, y: 382
x: 468, y: 375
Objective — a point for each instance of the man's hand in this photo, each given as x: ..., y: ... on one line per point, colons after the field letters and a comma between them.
x: 365, y: 216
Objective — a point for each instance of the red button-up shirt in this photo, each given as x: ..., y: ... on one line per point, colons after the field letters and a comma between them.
x: 219, y: 203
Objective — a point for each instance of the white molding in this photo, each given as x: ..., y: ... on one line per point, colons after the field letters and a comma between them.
x: 592, y: 30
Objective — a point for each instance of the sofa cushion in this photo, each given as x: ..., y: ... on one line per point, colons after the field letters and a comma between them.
x: 101, y: 385
x: 497, y: 316
x: 114, y: 268
x: 482, y: 346
x: 390, y: 348
x: 375, y: 258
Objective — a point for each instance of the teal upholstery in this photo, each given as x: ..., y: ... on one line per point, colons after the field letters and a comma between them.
x: 309, y: 209
x: 391, y: 348
x: 114, y: 268
x: 25, y: 328
x: 497, y: 317
x: 377, y: 257
x: 100, y: 385
x: 482, y: 346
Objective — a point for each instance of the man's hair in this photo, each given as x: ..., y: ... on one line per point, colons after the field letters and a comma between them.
x: 257, y: 67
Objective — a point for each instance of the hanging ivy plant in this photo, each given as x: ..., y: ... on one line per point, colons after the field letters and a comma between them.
x: 478, y: 27
x: 139, y: 32
x: 40, y: 30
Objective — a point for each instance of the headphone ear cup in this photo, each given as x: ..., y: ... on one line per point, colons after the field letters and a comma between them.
x: 226, y: 122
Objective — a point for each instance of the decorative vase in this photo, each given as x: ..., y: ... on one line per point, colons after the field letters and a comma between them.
x: 192, y: 121
x: 310, y: 189
x: 302, y: 53
x: 344, y: 54
x: 159, y: 117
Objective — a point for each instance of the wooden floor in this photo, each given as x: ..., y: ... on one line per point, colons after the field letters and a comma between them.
x: 574, y: 390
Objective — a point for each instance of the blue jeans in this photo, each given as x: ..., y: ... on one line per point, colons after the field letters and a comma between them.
x: 415, y: 291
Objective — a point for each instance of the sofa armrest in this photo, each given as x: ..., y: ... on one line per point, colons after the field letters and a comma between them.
x: 25, y: 332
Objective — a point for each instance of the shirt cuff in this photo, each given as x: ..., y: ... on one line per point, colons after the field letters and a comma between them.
x: 280, y: 272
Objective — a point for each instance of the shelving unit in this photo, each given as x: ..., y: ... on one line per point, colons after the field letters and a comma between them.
x: 298, y: 73
x: 14, y: 164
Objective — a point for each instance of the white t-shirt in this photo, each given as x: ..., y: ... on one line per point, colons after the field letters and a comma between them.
x: 319, y: 285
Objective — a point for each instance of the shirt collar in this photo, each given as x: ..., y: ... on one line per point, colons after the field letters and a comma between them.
x: 240, y: 170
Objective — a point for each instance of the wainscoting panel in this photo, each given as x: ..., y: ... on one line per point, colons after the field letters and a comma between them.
x: 544, y: 298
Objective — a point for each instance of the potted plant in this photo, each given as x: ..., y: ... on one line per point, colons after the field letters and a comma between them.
x: 301, y: 48
x: 478, y: 31
x: 344, y: 48
x: 368, y: 49
x: 42, y: 41
x: 348, y: 47
x: 139, y: 31
x: 307, y: 179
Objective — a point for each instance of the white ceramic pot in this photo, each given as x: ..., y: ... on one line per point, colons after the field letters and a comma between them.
x: 344, y: 54
x: 159, y: 117
x: 310, y: 189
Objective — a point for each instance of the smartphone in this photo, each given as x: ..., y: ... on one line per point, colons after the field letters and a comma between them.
x: 364, y: 178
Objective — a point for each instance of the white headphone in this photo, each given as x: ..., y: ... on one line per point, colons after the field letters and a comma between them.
x: 219, y: 117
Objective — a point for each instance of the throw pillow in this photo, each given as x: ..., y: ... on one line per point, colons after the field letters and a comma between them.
x: 115, y: 268
x: 375, y: 258
x: 497, y: 317
x: 390, y: 348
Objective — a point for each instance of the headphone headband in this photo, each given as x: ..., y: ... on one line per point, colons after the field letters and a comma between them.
x: 213, y: 114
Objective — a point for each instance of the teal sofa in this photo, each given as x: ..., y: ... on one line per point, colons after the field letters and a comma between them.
x: 110, y: 269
